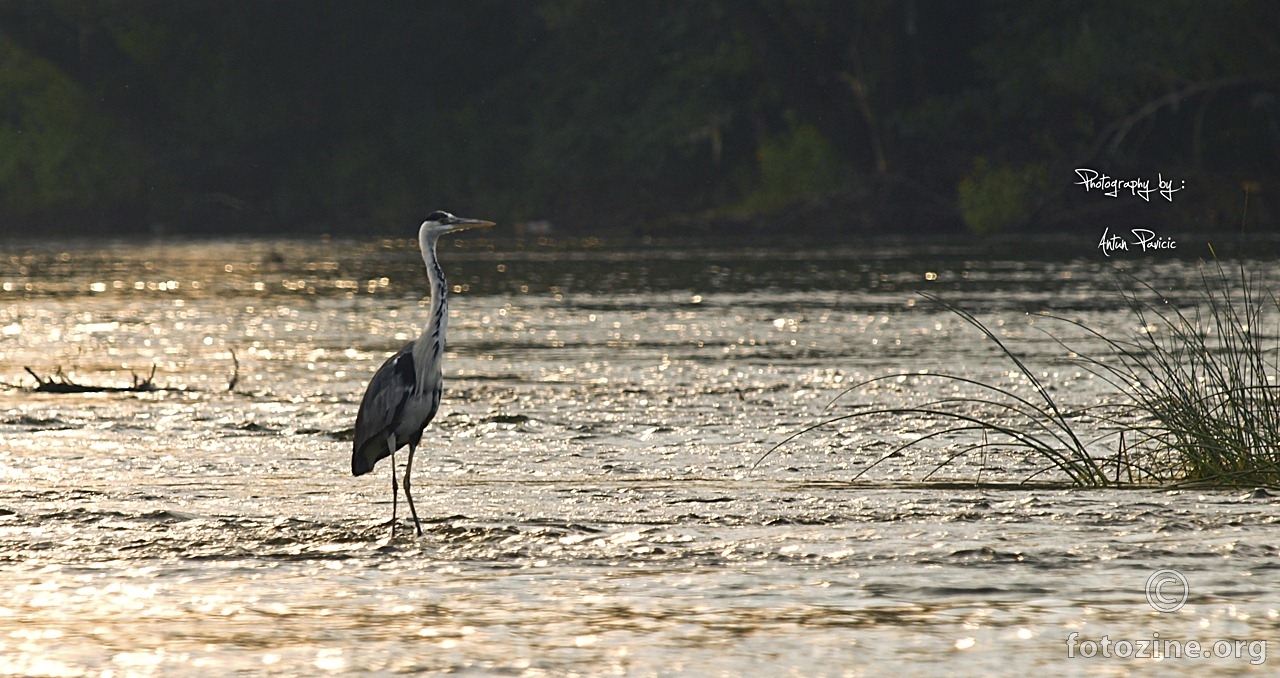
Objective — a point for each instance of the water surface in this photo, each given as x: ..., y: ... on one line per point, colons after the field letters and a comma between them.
x: 589, y: 500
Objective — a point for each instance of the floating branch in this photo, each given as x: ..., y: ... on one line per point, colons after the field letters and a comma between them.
x: 61, y: 383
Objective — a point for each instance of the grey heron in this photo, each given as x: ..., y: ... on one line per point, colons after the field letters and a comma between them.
x: 404, y: 394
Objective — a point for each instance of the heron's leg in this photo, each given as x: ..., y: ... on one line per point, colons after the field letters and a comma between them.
x: 395, y: 492
x: 407, y: 468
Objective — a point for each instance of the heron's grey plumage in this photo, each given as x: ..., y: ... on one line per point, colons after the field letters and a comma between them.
x: 404, y: 394
x: 381, y: 409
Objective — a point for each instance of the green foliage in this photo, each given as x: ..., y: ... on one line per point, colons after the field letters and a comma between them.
x: 794, y: 166
x: 56, y: 150
x: 339, y: 115
x: 996, y: 198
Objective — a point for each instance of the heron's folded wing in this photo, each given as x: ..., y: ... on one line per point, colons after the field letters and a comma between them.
x: 380, y: 410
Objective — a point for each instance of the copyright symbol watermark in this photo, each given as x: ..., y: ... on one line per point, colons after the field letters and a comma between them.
x: 1167, y: 590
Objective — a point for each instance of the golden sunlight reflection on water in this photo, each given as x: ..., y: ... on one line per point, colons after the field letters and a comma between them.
x: 588, y: 494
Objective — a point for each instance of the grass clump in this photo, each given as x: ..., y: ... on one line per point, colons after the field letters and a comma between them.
x: 1196, y: 395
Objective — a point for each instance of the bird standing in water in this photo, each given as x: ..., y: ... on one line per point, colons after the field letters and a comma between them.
x: 404, y: 394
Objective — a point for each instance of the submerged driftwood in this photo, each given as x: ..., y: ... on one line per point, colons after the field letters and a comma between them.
x: 61, y: 383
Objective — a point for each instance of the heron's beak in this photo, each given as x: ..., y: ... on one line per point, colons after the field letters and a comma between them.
x: 464, y: 224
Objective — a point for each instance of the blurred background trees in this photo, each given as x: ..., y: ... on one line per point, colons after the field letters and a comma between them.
x: 136, y: 116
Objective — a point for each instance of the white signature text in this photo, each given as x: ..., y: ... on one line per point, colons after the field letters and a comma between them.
x: 1111, y: 186
x: 1144, y: 239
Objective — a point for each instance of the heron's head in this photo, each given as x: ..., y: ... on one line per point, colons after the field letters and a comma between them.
x: 439, y: 223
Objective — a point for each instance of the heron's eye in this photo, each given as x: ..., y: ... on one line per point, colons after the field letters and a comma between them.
x: 439, y: 216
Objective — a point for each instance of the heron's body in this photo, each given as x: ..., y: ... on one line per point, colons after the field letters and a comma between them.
x: 394, y: 404
x: 404, y: 394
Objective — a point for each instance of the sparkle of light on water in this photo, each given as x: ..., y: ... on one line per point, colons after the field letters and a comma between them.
x: 587, y: 487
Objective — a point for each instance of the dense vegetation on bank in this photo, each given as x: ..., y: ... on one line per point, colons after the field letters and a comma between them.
x: 647, y: 116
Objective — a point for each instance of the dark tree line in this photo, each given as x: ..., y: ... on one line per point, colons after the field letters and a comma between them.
x: 831, y: 116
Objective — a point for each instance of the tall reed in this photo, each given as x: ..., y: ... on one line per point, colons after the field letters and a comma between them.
x: 1196, y: 395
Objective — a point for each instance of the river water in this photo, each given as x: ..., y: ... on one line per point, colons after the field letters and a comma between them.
x: 588, y: 493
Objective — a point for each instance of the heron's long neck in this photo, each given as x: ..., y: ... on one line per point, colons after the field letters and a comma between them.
x: 430, y: 346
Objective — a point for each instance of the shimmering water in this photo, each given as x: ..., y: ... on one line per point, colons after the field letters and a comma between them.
x: 588, y: 490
